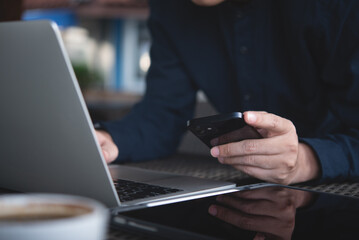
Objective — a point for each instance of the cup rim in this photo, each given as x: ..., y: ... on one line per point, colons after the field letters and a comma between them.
x: 96, y: 207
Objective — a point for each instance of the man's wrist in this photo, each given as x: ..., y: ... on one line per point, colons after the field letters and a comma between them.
x: 308, y: 164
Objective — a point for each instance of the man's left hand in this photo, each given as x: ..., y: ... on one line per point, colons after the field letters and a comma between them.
x: 278, y: 157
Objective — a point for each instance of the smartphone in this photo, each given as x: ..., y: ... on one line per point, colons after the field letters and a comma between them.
x: 221, y: 129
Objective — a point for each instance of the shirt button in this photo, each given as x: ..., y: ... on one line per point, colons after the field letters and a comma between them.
x: 247, y: 97
x: 243, y: 49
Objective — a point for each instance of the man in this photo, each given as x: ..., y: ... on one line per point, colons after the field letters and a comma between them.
x: 297, y: 60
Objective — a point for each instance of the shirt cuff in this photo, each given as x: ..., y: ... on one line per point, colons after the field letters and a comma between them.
x: 332, y: 159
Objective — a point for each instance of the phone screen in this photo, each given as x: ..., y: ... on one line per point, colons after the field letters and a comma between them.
x: 221, y: 129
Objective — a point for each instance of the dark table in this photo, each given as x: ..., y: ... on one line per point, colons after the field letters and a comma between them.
x: 208, y: 167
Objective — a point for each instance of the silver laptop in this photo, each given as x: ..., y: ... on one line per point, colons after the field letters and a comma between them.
x: 47, y: 139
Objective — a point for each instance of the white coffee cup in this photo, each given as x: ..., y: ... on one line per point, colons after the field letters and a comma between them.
x: 51, y: 216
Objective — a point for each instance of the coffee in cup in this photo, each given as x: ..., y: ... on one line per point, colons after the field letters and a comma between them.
x: 51, y: 216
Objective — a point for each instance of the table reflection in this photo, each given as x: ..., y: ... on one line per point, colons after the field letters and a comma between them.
x: 265, y: 213
x: 268, y: 211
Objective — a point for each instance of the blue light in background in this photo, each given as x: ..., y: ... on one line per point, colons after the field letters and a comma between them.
x: 62, y: 17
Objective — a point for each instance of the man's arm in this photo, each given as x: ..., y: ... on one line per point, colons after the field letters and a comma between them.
x: 154, y: 126
x: 338, y: 151
x: 280, y: 157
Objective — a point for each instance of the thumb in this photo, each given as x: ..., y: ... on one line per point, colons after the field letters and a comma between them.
x: 271, y: 123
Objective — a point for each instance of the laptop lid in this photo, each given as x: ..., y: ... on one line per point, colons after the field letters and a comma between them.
x: 48, y: 143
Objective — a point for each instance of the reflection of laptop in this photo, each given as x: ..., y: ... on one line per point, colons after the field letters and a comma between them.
x: 47, y: 138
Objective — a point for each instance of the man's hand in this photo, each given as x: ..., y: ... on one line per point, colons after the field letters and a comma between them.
x: 278, y: 157
x: 109, y: 149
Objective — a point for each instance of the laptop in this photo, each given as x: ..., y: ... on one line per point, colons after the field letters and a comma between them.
x: 48, y: 142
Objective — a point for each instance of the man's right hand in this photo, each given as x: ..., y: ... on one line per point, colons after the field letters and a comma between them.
x: 108, y: 147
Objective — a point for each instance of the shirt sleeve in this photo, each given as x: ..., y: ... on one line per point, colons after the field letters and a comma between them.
x: 338, y: 152
x: 154, y: 127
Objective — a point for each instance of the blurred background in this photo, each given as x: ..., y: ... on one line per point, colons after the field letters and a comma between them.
x: 108, y: 43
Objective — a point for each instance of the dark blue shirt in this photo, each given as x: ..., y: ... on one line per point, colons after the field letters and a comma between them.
x: 298, y: 59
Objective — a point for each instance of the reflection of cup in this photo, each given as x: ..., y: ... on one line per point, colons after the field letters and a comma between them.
x: 51, y: 216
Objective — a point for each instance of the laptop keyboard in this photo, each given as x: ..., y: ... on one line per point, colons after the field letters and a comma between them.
x: 130, y: 190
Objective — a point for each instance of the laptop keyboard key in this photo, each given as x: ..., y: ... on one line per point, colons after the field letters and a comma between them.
x: 130, y: 190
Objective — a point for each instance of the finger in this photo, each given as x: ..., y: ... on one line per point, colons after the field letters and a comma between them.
x: 264, y: 146
x: 110, y: 151
x: 102, y: 142
x: 275, y: 176
x: 100, y: 137
x: 106, y: 152
x: 259, y: 161
x: 107, y: 156
x: 280, y: 162
x: 275, y: 124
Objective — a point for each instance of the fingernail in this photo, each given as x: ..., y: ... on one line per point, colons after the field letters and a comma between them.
x: 221, y: 159
x: 251, y: 118
x: 215, y: 152
x: 212, y: 210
